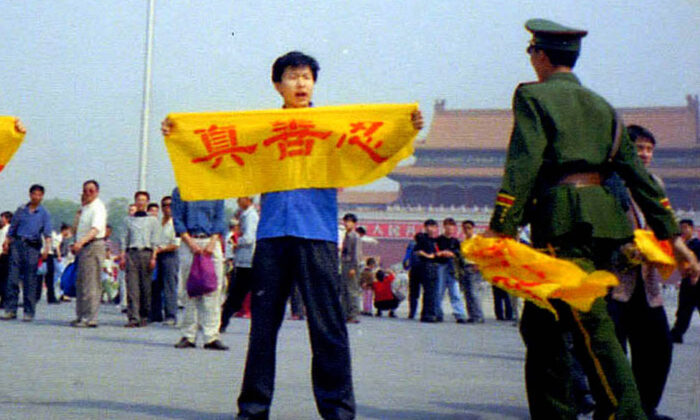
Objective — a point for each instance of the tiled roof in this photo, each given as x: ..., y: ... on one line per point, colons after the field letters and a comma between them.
x: 436, y: 172
x: 673, y: 127
x: 476, y: 172
x: 361, y: 197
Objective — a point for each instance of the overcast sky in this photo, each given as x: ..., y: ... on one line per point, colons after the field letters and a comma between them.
x: 73, y: 70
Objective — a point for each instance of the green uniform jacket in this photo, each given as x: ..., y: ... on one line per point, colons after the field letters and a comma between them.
x: 563, y: 128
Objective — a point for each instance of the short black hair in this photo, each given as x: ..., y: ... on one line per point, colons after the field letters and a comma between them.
x: 637, y: 131
x: 92, y: 181
x: 36, y: 187
x: 152, y: 205
x: 687, y: 222
x: 371, y: 261
x: 138, y: 193
x: 449, y: 222
x: 468, y: 222
x: 64, y: 227
x: 293, y: 59
x: 430, y: 222
x: 167, y: 197
x: 351, y: 217
x: 361, y: 230
x: 7, y: 215
x: 380, y: 275
x: 560, y: 57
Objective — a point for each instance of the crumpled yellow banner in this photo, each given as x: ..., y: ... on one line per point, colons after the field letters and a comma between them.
x: 218, y: 155
x: 535, y: 276
x: 658, y: 253
x: 10, y: 140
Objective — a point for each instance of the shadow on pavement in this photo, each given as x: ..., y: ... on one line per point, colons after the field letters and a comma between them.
x: 132, y: 341
x: 136, y: 409
x: 505, y: 411
x: 368, y: 412
x: 520, y: 358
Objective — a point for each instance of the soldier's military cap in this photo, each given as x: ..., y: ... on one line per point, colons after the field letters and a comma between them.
x: 553, y: 36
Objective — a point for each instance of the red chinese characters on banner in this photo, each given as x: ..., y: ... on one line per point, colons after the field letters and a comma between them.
x: 295, y: 137
x: 361, y: 136
x: 222, y: 141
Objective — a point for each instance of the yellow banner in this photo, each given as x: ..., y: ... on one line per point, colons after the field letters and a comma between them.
x: 522, y: 271
x: 10, y: 140
x: 218, y: 155
x: 658, y: 253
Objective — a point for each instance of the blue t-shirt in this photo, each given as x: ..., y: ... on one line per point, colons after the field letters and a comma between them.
x: 310, y: 213
x: 31, y: 225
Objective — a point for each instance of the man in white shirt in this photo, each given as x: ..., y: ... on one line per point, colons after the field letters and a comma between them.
x: 5, y: 219
x: 89, y: 249
x: 243, y: 250
x: 164, y: 292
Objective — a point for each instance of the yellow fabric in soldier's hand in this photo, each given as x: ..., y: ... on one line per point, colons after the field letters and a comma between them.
x: 525, y: 272
x: 655, y: 252
x: 218, y: 155
x: 10, y: 140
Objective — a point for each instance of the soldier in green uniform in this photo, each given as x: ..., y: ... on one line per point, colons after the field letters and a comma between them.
x: 565, y: 141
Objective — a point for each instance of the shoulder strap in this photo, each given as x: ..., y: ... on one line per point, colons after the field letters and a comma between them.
x: 617, y: 140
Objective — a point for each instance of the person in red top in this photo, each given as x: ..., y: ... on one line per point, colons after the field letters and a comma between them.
x: 384, y: 298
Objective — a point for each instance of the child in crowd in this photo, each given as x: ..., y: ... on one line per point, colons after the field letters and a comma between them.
x: 366, y: 280
x: 384, y: 298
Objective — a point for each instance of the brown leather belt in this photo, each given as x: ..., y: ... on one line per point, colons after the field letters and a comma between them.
x: 582, y: 179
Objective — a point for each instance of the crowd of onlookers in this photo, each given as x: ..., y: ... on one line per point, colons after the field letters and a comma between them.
x: 140, y: 271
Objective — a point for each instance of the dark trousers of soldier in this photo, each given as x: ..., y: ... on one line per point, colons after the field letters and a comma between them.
x: 688, y: 302
x: 139, y: 278
x: 164, y: 287
x: 23, y: 262
x: 429, y: 281
x: 47, y: 279
x: 241, y: 283
x: 4, y: 271
x: 414, y: 285
x: 548, y: 361
x: 502, y: 307
x: 646, y: 330
x: 313, y: 265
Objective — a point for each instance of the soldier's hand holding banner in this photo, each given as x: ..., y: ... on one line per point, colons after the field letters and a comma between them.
x: 218, y: 155
x: 525, y: 272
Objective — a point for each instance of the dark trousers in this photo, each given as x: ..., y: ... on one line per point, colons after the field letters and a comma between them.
x: 501, y: 302
x: 646, y: 330
x: 549, y: 361
x: 688, y: 301
x: 47, y: 279
x: 23, y: 263
x: 4, y: 272
x: 240, y: 285
x: 386, y: 305
x: 313, y: 265
x: 429, y: 281
x: 139, y: 278
x: 414, y: 282
x: 164, y: 287
x: 296, y: 302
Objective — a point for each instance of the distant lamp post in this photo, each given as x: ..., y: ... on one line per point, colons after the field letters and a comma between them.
x: 146, y: 110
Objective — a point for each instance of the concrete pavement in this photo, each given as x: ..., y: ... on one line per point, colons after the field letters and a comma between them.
x: 402, y: 370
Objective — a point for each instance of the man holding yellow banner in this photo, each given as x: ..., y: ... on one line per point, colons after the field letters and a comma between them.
x: 296, y: 157
x: 566, y: 140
